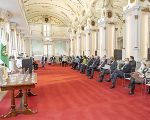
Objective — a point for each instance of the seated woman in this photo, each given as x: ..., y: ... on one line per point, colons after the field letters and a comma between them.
x: 83, y: 65
x: 113, y: 66
x: 138, y: 76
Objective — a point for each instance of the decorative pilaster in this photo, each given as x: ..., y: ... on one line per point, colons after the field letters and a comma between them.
x: 107, y: 24
x: 72, y: 42
x: 137, y: 30
x: 88, y: 41
x: 13, y: 40
x: 78, y: 53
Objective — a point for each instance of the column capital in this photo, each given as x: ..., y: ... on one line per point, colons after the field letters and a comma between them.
x: 104, y: 21
x: 136, y: 6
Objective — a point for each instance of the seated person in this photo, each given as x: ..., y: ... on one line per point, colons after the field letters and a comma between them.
x: 103, y: 62
x: 89, y: 61
x: 138, y: 76
x: 79, y: 63
x: 93, y: 67
x: 69, y: 60
x: 60, y: 59
x: 83, y: 65
x: 53, y: 59
x: 113, y: 66
x: 64, y: 60
x: 120, y: 73
x: 75, y: 62
x: 132, y: 63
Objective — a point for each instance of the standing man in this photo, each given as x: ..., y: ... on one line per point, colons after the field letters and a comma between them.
x: 43, y: 61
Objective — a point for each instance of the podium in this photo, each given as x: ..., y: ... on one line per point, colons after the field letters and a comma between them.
x: 27, y: 64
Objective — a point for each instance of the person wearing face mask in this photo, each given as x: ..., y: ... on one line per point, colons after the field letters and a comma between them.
x: 120, y: 73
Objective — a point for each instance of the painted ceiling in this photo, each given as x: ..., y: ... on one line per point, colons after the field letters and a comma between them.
x: 65, y: 12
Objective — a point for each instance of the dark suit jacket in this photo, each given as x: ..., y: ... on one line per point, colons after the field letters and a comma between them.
x: 127, y: 68
x: 113, y: 65
x: 90, y: 62
x: 96, y: 63
x: 45, y: 59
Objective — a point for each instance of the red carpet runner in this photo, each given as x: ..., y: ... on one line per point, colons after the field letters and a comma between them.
x: 65, y: 94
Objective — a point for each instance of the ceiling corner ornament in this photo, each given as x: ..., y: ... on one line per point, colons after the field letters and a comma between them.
x: 142, y: 0
x: 146, y: 9
x: 109, y: 14
x: 93, y: 23
x: 82, y: 28
x: 4, y: 16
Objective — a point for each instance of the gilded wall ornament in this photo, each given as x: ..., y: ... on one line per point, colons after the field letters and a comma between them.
x: 132, y: 1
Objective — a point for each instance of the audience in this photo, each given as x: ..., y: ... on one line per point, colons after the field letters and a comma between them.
x: 106, y: 66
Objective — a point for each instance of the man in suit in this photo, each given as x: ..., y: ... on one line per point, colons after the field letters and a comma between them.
x: 132, y: 63
x: 93, y: 67
x: 43, y: 61
x: 113, y: 66
x: 120, y: 73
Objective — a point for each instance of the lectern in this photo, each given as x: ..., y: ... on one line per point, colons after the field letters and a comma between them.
x: 27, y: 64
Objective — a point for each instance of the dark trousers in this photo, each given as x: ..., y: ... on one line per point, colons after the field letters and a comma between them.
x: 132, y: 84
x: 90, y: 71
x: 82, y: 68
x: 64, y: 63
x: 114, y: 75
x: 43, y: 63
x: 103, y: 73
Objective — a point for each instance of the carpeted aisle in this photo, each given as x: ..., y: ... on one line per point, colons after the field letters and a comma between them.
x: 65, y: 94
